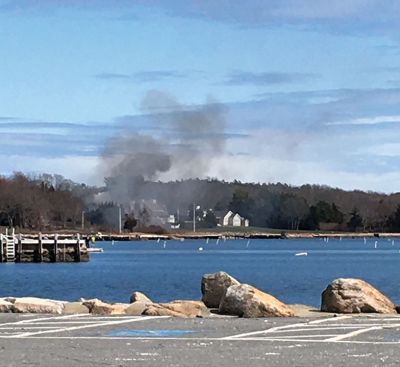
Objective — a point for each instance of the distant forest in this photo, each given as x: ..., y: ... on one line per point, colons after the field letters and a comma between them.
x: 53, y: 202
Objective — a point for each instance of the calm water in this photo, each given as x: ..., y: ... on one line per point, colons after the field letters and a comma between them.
x: 174, y: 272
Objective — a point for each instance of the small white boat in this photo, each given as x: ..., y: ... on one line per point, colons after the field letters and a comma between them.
x: 95, y: 249
x: 301, y: 254
x: 200, y: 249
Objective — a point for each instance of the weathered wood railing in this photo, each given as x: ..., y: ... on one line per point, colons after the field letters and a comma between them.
x: 39, y: 248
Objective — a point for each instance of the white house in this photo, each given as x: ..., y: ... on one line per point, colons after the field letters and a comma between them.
x: 234, y: 220
x: 237, y: 220
x: 227, y: 220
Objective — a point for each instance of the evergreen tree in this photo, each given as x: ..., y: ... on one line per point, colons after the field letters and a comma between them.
x: 355, y: 221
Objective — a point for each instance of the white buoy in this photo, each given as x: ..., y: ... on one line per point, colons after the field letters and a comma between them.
x: 200, y: 248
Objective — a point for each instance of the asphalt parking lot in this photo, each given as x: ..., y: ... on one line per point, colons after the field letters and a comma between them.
x: 85, y: 340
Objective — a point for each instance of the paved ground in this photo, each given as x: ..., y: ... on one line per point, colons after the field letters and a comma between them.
x: 83, y: 340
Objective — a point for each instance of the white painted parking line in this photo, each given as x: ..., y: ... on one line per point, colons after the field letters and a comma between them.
x: 312, y: 331
x: 23, y: 327
x: 296, y: 330
x: 87, y: 326
x: 37, y: 319
x: 290, y: 326
x: 328, y: 330
x: 323, y: 321
x: 354, y: 333
x: 71, y: 322
x: 217, y: 339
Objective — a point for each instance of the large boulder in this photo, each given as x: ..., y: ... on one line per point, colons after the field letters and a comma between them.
x: 5, y: 306
x: 246, y: 301
x: 136, y: 308
x: 178, y: 309
x: 72, y: 308
x: 98, y: 307
x: 354, y: 296
x: 156, y: 309
x: 139, y: 297
x: 37, y: 305
x: 214, y: 286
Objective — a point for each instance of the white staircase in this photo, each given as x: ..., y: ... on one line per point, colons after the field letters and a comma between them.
x: 9, y: 240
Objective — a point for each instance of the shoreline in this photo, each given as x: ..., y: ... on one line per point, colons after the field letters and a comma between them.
x: 202, y: 235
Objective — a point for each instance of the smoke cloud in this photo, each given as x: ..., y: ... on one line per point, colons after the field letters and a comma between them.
x: 185, y: 143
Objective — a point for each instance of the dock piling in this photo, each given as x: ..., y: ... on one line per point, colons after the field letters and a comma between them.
x: 42, y: 248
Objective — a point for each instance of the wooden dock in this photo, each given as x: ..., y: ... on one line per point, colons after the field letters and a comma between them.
x: 50, y: 248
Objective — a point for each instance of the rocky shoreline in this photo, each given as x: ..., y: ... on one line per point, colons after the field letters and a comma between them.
x: 139, y: 236
x: 222, y: 295
x: 202, y: 234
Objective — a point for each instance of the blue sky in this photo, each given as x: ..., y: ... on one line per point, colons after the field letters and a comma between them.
x: 310, y: 88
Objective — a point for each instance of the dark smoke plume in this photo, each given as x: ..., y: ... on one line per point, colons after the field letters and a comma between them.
x: 183, y: 146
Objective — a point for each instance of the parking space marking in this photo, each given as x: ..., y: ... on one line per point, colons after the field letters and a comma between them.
x: 328, y: 330
x: 290, y: 326
x: 215, y: 339
x: 336, y: 332
x: 33, y: 327
x: 356, y: 333
x: 88, y: 326
x: 27, y: 321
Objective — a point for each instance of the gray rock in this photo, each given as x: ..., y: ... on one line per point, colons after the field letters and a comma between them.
x: 75, y: 308
x: 178, y: 309
x: 98, y: 307
x: 355, y: 296
x: 139, y: 297
x: 37, y: 305
x: 6, y: 306
x: 136, y: 308
x: 214, y: 286
x: 246, y: 301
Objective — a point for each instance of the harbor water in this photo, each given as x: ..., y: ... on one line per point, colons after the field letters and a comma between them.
x: 168, y: 270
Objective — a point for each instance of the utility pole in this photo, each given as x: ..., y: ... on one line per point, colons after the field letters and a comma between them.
x: 83, y: 220
x: 194, y: 217
x: 119, y: 219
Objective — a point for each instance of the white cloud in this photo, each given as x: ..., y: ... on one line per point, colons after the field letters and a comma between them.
x: 374, y: 120
x: 247, y: 168
x: 385, y: 150
x: 77, y: 168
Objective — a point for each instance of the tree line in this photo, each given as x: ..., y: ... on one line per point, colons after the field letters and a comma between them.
x: 281, y: 206
x: 53, y: 202
x: 36, y: 203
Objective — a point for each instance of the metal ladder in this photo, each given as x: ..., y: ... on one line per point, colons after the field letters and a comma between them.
x: 10, y: 245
